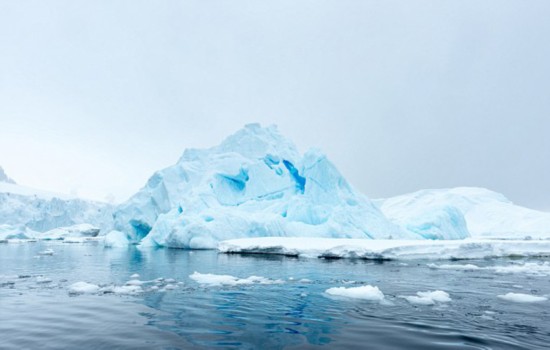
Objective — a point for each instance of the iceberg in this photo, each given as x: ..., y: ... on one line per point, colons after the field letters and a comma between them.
x: 481, y: 212
x: 254, y: 184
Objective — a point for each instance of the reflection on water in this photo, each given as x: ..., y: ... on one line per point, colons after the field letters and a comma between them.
x: 294, y: 314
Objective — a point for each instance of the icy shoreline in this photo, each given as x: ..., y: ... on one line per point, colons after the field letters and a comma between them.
x: 386, y: 249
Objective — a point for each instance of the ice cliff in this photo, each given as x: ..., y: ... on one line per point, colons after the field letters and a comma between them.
x: 23, y: 209
x: 254, y: 184
x: 487, y: 214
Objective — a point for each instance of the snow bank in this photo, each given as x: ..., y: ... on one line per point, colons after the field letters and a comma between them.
x: 522, y: 298
x: 254, y: 184
x: 486, y: 214
x: 386, y: 249
x: 428, y: 298
x: 228, y: 280
x: 364, y: 292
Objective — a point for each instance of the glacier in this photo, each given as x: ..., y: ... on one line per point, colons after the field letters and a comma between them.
x: 29, y: 213
x: 254, y: 184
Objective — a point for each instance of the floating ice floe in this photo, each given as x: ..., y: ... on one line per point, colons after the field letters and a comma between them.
x: 367, y: 292
x: 228, y: 280
x: 387, y: 249
x: 46, y: 252
x: 462, y: 267
x: 522, y: 298
x: 529, y: 268
x: 428, y: 298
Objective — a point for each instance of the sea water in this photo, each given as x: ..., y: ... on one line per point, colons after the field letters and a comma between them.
x: 291, y: 311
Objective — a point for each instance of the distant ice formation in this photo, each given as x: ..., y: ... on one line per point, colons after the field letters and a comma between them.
x: 25, y: 208
x: 481, y: 212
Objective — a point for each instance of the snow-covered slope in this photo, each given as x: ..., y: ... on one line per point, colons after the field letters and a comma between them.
x: 486, y: 213
x: 255, y: 183
x: 24, y: 207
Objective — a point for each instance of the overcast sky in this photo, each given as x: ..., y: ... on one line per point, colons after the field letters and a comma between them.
x: 402, y: 95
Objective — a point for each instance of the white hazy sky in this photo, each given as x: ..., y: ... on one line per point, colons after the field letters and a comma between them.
x: 402, y: 95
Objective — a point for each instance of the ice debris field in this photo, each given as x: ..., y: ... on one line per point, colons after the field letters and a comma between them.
x: 255, y: 193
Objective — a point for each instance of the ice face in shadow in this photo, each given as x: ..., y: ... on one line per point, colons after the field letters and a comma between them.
x: 254, y: 184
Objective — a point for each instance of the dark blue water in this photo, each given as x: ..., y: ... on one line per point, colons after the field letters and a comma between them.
x: 37, y: 314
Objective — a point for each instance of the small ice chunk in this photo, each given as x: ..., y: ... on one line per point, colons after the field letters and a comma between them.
x: 428, y: 298
x: 41, y: 279
x: 438, y: 295
x: 522, y: 298
x: 134, y: 283
x: 46, y: 252
x: 135, y: 276
x: 170, y: 280
x: 413, y: 299
x: 227, y: 280
x: 83, y: 288
x: 128, y: 289
x: 465, y: 267
x: 170, y: 287
x: 305, y: 280
x: 364, y: 292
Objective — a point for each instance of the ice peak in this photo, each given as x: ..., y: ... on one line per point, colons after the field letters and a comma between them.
x: 4, y: 177
x: 255, y: 141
